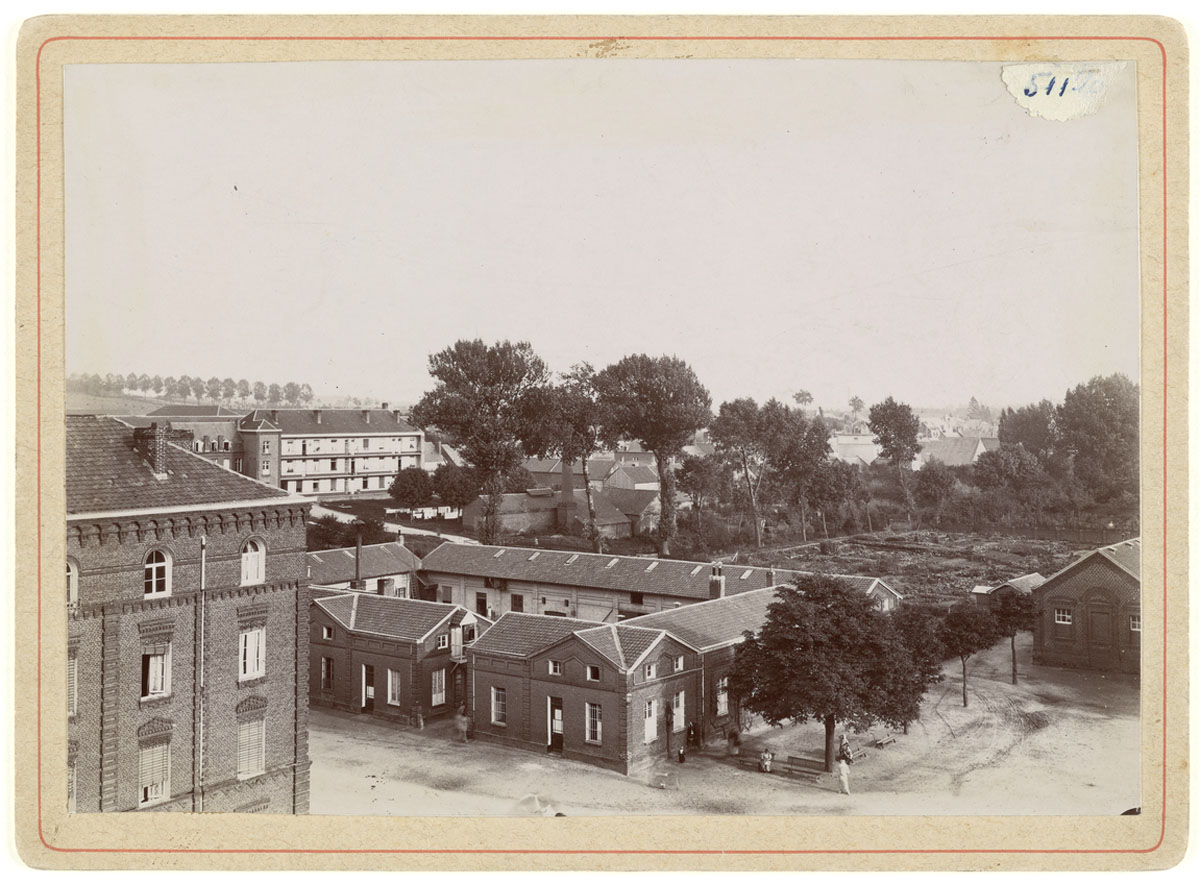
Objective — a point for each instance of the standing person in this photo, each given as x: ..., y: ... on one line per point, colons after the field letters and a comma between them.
x: 460, y: 723
x: 844, y: 752
x: 844, y: 776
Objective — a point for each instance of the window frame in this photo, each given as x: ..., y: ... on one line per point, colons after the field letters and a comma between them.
x: 148, y: 681
x: 162, y: 787
x: 326, y: 633
x: 72, y: 685
x: 1135, y: 622
x: 254, y: 562
x: 499, y: 707
x: 395, y: 684
x: 443, y: 641
x: 1063, y: 616
x: 257, y: 670
x: 326, y: 672
x: 650, y: 670
x: 677, y: 664
x: 437, y: 678
x: 245, y: 732
x: 589, y: 670
x: 555, y: 668
x: 722, y: 696
x: 156, y: 575
x: 596, y: 719
x: 679, y: 711
x: 72, y: 584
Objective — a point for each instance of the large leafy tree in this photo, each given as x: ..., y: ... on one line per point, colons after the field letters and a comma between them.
x: 895, y: 427
x: 412, y: 488
x: 243, y: 390
x: 856, y: 406
x: 1098, y: 425
x: 742, y: 436
x: 454, y: 485
x: 260, y: 392
x: 966, y: 630
x: 228, y: 389
x: 704, y: 479
x: 213, y: 389
x: 825, y: 653
x: 935, y: 487
x: 566, y: 419
x: 291, y: 393
x: 801, y: 456
x: 274, y: 394
x: 919, y: 629
x: 661, y: 403
x: 480, y: 402
x: 1030, y: 426
x: 1014, y: 612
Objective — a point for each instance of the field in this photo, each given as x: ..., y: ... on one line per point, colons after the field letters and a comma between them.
x: 928, y: 565
x: 83, y: 403
x: 1059, y: 742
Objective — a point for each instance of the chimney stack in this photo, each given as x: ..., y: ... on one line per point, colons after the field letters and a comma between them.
x: 716, y: 581
x: 384, y: 406
x: 318, y: 414
x: 152, y: 441
x: 770, y: 576
x: 357, y: 584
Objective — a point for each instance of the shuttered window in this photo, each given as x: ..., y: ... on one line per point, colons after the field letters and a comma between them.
x: 154, y: 773
x: 254, y: 562
x: 72, y: 668
x: 679, y: 717
x: 394, y: 681
x: 499, y: 706
x: 251, y: 747
x: 723, y: 696
x: 438, y: 688
x: 253, y: 654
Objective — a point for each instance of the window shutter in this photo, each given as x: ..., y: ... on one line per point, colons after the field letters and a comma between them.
x: 72, y: 665
x: 250, y: 746
x: 153, y: 770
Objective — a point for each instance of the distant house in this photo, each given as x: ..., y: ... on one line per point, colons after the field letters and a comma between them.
x: 632, y: 477
x: 381, y: 569
x: 951, y: 451
x: 641, y: 507
x: 1089, y: 614
x: 548, y: 471
x: 435, y: 454
x: 632, y: 452
x: 539, y: 511
x: 858, y: 450
x: 389, y: 657
x: 988, y: 596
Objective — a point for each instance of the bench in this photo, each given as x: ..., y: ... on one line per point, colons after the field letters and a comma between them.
x: 810, y: 764
x: 857, y: 753
x: 884, y: 740
x: 782, y: 768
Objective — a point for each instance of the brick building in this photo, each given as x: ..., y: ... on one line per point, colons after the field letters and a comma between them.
x: 379, y: 568
x: 186, y: 607
x: 391, y: 657
x: 618, y: 696
x: 614, y: 696
x: 600, y: 588
x: 1089, y: 614
x: 989, y: 596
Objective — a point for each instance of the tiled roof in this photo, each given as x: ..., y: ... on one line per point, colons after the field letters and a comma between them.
x: 635, y: 641
x: 604, y: 641
x: 106, y: 473
x: 682, y: 579
x: 336, y: 421
x: 381, y: 559
x: 713, y: 623
x: 1126, y: 555
x: 197, y: 411
x: 950, y: 451
x: 522, y: 634
x: 258, y: 421
x: 629, y: 501
x: 990, y: 444
x: 636, y: 472
x: 404, y: 619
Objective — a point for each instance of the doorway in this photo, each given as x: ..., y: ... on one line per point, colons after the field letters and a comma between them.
x: 556, y: 724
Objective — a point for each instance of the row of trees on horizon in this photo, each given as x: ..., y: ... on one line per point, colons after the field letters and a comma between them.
x: 214, y: 389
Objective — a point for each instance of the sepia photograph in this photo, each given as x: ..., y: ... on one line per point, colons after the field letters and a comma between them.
x: 603, y: 436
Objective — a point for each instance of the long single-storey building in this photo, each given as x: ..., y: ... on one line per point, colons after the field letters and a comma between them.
x: 493, y: 580
x: 1089, y: 614
x: 378, y: 568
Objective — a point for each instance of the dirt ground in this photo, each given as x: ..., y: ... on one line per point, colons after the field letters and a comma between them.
x: 1060, y: 742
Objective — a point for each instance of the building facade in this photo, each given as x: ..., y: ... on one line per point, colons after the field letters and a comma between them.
x: 393, y: 658
x: 186, y: 623
x: 379, y: 568
x: 595, y: 587
x: 1089, y: 614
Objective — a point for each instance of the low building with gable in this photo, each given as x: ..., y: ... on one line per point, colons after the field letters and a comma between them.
x: 187, y: 619
x: 378, y: 568
x: 394, y: 658
x: 1089, y: 614
x: 989, y: 596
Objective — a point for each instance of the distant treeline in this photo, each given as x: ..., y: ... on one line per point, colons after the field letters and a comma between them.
x: 183, y: 388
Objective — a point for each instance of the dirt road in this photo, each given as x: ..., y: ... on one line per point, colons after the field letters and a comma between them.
x: 1060, y: 742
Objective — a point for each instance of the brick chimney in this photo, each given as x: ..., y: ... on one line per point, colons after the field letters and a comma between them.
x: 151, y: 442
x: 770, y: 576
x: 318, y: 416
x: 366, y: 415
x: 716, y: 581
x: 357, y: 584
x: 384, y: 406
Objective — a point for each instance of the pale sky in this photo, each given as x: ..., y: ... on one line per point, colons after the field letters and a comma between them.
x: 851, y: 228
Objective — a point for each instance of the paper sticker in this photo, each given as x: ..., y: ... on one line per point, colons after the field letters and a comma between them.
x: 1063, y: 90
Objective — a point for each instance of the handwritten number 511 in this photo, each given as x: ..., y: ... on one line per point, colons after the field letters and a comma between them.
x: 1033, y: 88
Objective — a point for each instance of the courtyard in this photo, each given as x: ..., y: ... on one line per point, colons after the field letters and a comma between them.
x: 1059, y: 742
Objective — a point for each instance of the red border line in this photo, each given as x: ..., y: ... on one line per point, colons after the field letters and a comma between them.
x: 593, y: 39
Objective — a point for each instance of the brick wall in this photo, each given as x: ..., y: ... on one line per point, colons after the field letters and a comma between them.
x: 1100, y: 600
x: 116, y: 621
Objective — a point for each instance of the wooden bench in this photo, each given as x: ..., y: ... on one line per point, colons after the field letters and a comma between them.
x: 810, y: 764
x: 856, y: 753
x: 782, y: 768
x: 884, y: 740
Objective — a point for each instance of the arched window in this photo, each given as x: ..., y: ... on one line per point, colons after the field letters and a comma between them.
x: 72, y: 585
x: 157, y: 573
x: 254, y: 562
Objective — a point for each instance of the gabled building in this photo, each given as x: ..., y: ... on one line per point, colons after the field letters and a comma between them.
x: 187, y: 624
x: 1089, y: 614
x: 541, y: 511
x: 596, y: 587
x: 394, y: 658
x: 381, y: 568
x: 615, y: 696
x: 952, y: 451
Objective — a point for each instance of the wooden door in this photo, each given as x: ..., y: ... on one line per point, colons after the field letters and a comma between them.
x: 556, y: 724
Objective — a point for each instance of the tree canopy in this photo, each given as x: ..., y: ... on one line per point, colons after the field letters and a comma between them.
x: 661, y: 403
x: 967, y: 629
